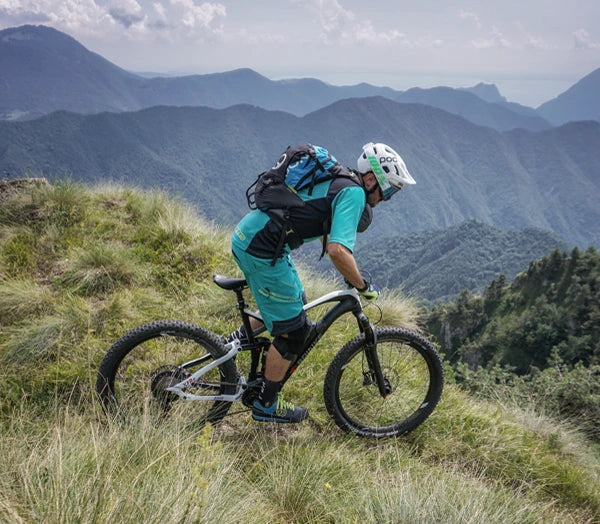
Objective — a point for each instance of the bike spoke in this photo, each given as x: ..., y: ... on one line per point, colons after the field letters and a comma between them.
x: 138, y: 370
x: 405, y: 372
x: 353, y: 397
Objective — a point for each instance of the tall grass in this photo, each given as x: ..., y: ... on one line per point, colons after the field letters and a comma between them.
x: 101, y: 261
x: 23, y: 297
x: 74, y: 468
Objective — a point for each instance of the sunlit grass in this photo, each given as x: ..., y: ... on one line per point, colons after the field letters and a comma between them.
x: 74, y: 467
x: 82, y: 266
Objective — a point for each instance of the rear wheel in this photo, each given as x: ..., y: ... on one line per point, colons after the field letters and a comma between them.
x: 413, y: 375
x: 136, y: 371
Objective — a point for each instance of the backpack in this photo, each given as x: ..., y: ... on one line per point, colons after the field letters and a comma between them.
x: 298, y: 167
x: 275, y: 190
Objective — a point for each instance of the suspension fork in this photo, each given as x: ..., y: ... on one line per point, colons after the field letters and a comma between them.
x: 371, y: 353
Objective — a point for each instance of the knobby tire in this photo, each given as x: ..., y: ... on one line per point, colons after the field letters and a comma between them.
x: 412, y: 371
x: 139, y: 366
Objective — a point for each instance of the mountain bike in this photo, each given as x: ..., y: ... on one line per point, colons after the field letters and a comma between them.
x: 384, y: 382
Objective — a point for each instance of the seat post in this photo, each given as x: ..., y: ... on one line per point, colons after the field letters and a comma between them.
x: 241, y: 302
x: 241, y: 306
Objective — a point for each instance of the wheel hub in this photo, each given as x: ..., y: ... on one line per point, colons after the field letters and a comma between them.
x: 163, y: 378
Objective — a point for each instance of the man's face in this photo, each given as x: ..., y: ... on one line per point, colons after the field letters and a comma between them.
x: 376, y: 196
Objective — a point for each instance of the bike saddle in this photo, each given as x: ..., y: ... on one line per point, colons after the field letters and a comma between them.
x: 229, y: 283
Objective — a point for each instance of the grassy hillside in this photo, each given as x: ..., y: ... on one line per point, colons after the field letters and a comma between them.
x: 79, y: 266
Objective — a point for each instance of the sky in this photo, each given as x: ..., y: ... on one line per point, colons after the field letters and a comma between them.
x: 532, y: 50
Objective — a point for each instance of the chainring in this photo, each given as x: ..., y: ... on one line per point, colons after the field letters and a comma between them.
x: 250, y: 395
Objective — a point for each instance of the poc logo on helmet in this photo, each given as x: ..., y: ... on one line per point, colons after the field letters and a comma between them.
x: 375, y: 165
x: 388, y: 159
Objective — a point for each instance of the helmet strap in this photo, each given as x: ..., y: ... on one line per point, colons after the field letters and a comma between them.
x: 375, y: 186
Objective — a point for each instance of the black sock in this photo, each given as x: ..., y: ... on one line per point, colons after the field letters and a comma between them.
x: 268, y: 392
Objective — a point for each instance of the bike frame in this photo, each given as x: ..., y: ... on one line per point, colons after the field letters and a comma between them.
x: 345, y: 301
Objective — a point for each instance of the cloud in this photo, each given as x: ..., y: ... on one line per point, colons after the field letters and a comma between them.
x: 251, y: 37
x: 537, y: 43
x: 202, y: 15
x: 533, y: 42
x: 583, y: 40
x: 130, y: 18
x: 329, y: 14
x: 342, y: 26
x: 471, y: 17
x: 19, y: 12
x: 365, y: 33
x: 126, y: 12
x: 495, y: 40
x: 83, y: 16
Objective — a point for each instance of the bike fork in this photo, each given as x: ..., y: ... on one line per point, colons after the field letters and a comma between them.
x: 371, y: 354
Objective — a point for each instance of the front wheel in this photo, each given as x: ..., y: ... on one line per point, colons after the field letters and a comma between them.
x: 413, y: 375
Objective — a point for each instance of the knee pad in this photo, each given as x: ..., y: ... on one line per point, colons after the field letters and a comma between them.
x: 290, y: 347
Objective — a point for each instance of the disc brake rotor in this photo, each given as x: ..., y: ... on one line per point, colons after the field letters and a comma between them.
x: 163, y: 378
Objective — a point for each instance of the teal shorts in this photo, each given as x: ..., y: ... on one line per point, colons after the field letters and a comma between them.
x: 277, y: 289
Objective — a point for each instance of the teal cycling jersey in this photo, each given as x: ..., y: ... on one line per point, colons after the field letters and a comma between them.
x: 334, y: 208
x: 347, y: 208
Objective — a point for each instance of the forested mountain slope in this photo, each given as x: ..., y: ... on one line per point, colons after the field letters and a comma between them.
x: 550, y: 310
x: 439, y: 264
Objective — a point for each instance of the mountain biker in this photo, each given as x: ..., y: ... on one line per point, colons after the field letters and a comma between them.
x: 272, y: 278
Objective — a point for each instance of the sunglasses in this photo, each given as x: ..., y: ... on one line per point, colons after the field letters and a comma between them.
x: 388, y: 192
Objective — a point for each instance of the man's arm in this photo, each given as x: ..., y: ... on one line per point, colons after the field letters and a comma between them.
x: 343, y: 260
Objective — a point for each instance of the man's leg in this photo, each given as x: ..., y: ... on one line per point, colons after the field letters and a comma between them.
x: 276, y: 366
x: 240, y: 333
x: 270, y: 405
x: 280, y: 298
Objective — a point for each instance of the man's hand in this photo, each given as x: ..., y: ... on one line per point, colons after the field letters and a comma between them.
x: 370, y: 294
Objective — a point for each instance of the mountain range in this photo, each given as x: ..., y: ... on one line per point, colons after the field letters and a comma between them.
x: 481, y: 162
x: 547, y: 179
x: 580, y: 102
x: 44, y: 70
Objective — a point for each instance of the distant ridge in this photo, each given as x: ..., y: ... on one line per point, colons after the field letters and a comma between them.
x: 548, y: 179
x: 500, y: 116
x: 439, y: 264
x: 580, y: 102
x: 487, y: 92
x: 44, y: 70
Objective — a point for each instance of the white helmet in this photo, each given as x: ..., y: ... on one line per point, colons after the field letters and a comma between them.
x: 387, y: 166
